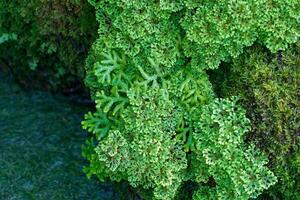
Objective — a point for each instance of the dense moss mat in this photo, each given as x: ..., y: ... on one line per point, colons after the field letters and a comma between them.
x: 40, y: 155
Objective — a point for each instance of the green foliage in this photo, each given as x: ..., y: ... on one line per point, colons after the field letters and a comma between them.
x: 289, y: 179
x: 202, y: 33
x: 219, y: 30
x: 148, y: 124
x: 145, y: 151
x: 238, y: 171
x: 137, y: 113
x: 145, y: 147
x: 268, y: 85
x: 53, y: 40
x: 269, y: 88
x: 158, y: 125
x: 7, y: 37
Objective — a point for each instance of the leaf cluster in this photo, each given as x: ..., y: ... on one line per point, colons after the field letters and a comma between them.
x: 238, y: 171
x: 202, y: 33
x: 53, y: 38
x: 155, y: 130
x: 268, y: 85
x: 158, y: 124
